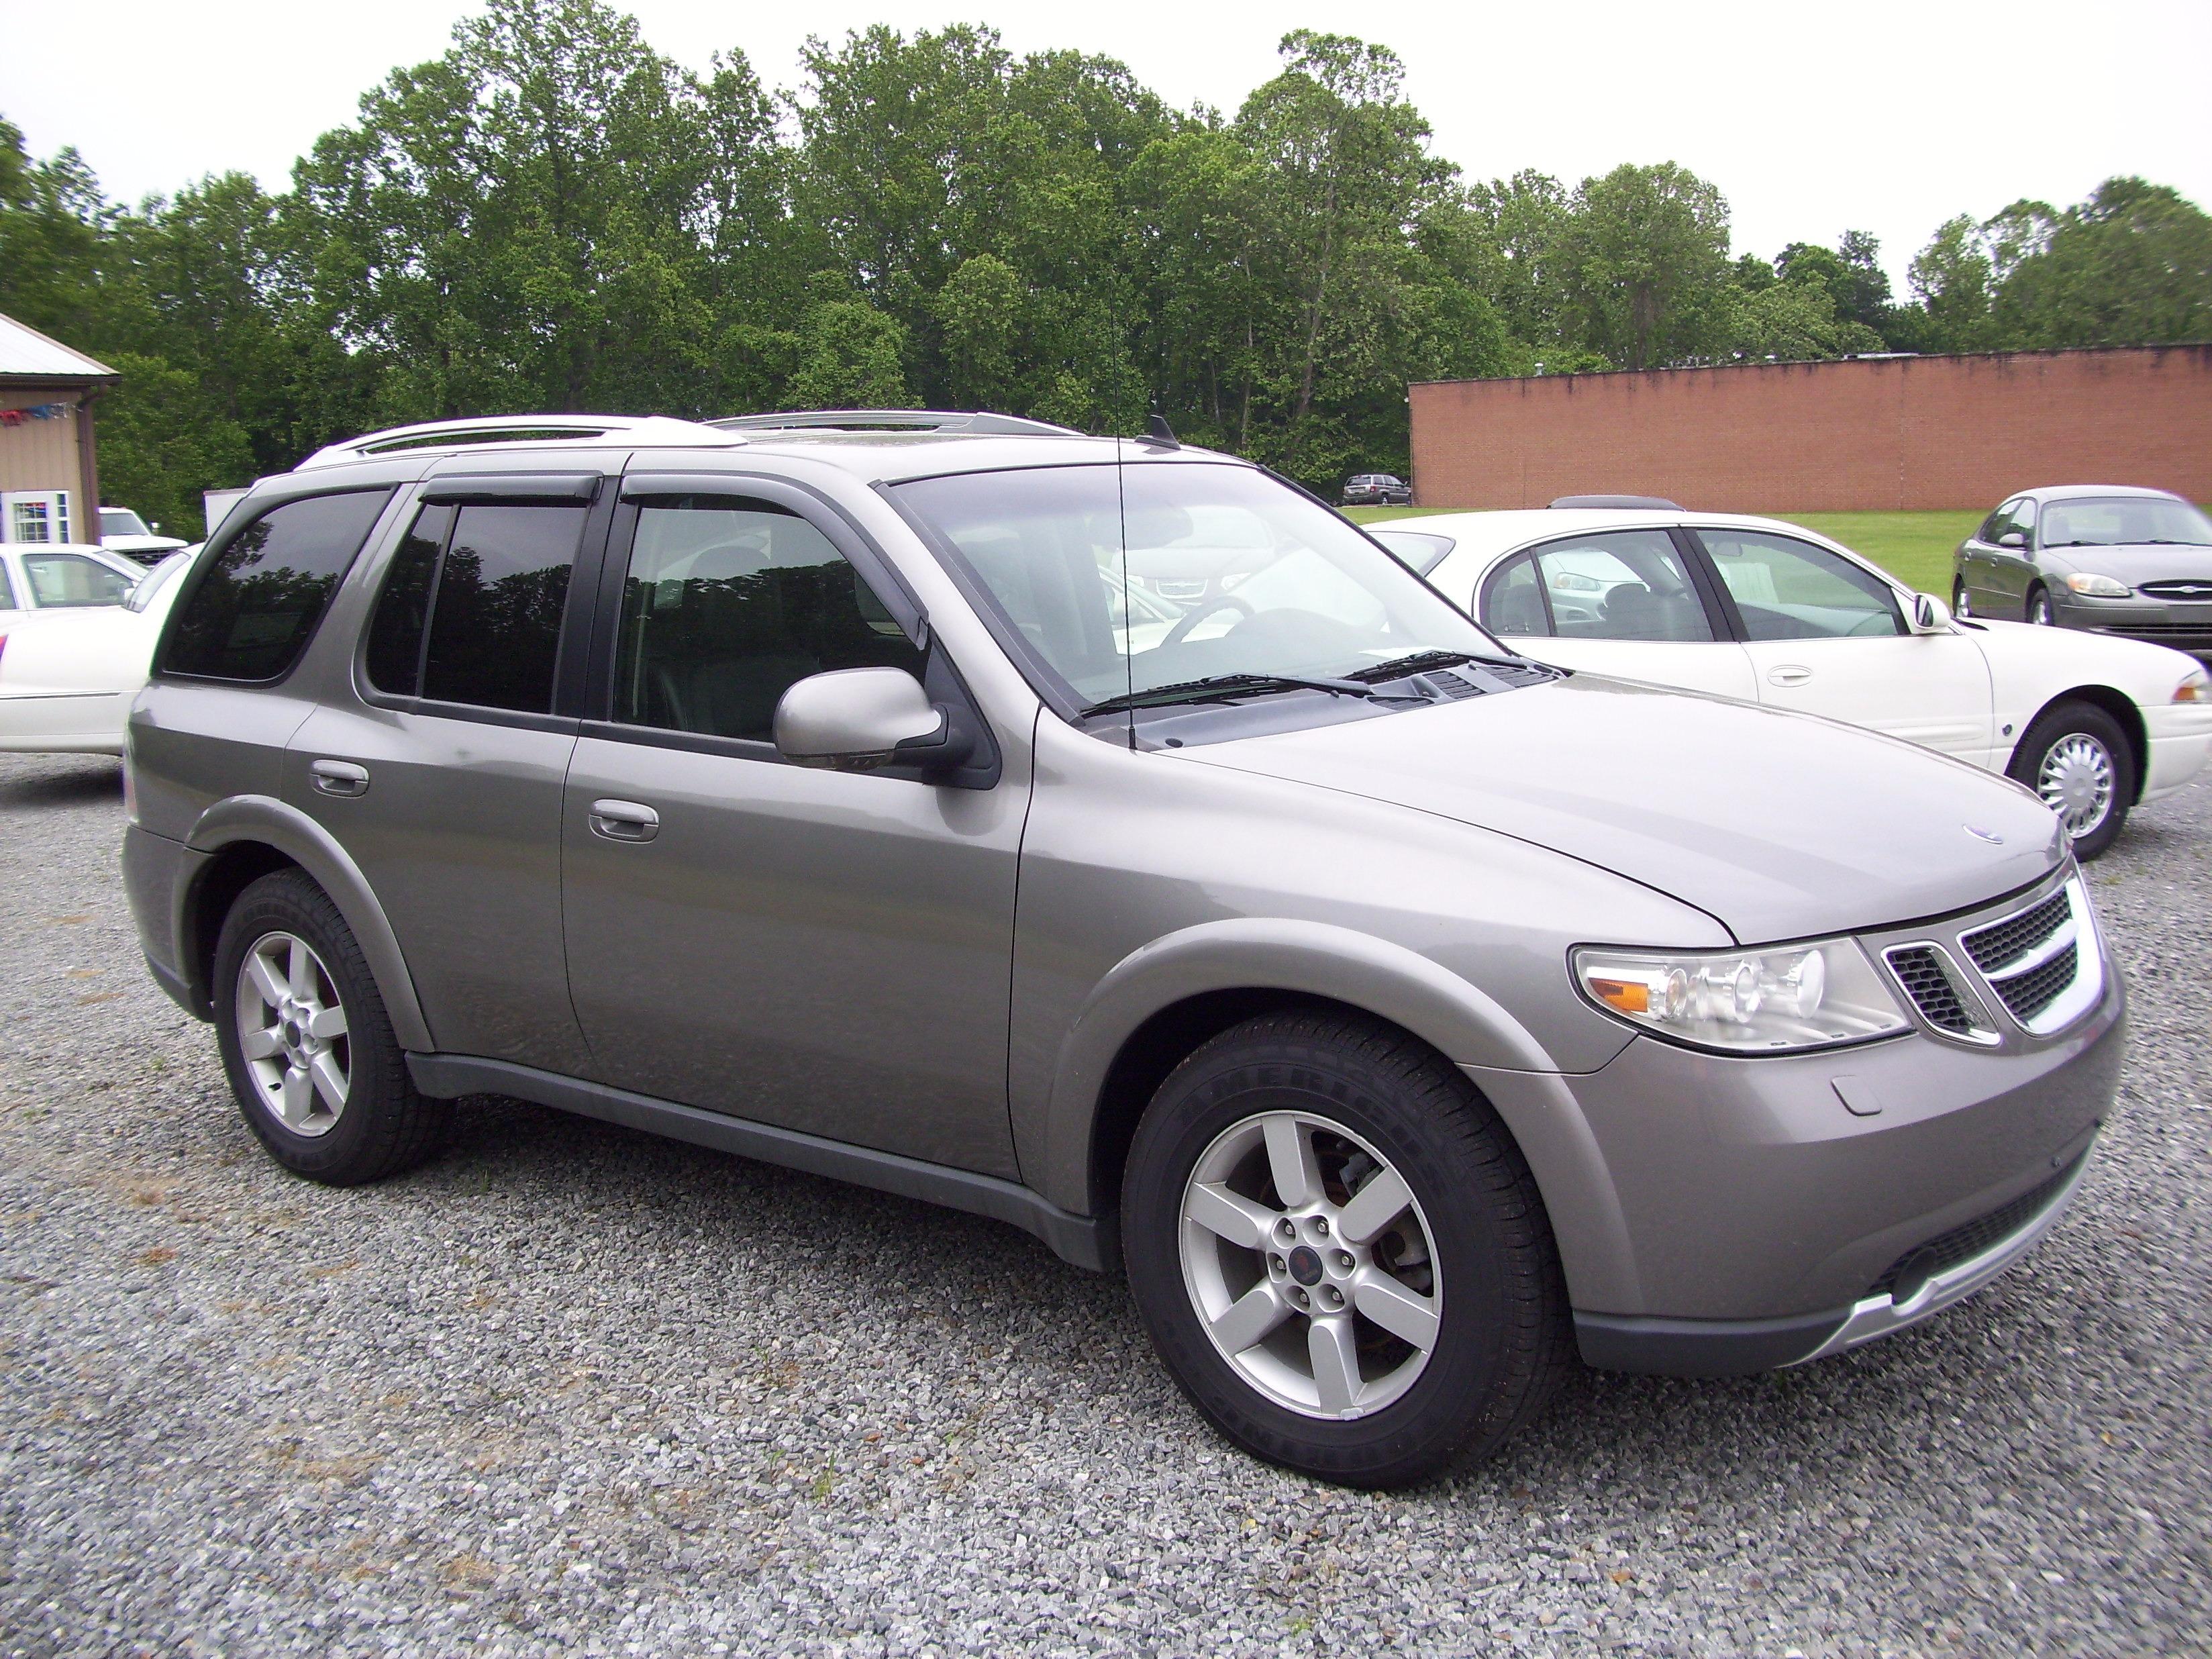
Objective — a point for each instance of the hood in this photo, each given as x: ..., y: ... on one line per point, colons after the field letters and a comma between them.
x: 2134, y: 563
x: 1780, y: 826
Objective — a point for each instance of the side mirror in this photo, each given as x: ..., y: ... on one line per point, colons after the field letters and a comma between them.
x: 859, y: 720
x: 2013, y: 538
x: 1929, y: 615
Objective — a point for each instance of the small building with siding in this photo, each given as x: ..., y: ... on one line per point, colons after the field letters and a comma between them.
x: 49, y: 459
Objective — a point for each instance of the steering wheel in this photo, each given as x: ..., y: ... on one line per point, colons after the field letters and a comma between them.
x: 1200, y: 612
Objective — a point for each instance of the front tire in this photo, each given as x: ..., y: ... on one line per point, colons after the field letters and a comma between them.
x: 2080, y: 764
x: 1962, y: 602
x: 311, y: 1057
x: 2039, y: 609
x: 1339, y: 1253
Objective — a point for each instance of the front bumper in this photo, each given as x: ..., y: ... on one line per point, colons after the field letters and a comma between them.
x: 1718, y: 1215
x: 2179, y: 625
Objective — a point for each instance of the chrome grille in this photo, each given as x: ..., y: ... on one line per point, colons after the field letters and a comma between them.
x: 1919, y: 970
x: 1993, y: 947
x: 2026, y: 996
x: 2177, y: 589
x: 2039, y: 964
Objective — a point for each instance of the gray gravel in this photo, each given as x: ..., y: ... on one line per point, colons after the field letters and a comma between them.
x: 573, y: 1389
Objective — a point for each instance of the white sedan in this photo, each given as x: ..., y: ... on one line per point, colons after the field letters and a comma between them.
x: 69, y: 674
x: 1768, y: 613
x: 62, y: 576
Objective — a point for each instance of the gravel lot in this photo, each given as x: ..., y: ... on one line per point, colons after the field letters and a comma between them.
x: 573, y: 1389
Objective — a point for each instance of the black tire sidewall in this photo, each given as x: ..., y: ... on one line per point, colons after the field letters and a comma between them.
x: 355, y: 1148
x: 1463, y: 1394
x: 2088, y: 719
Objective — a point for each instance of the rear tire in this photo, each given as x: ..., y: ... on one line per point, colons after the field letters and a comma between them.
x: 1356, y: 1331
x: 310, y: 1052
x: 2079, y: 763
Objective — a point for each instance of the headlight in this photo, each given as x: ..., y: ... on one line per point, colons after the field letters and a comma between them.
x: 1807, y: 996
x: 2195, y: 688
x: 2097, y: 587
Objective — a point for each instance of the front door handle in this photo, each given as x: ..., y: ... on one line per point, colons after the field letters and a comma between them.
x: 624, y: 820
x: 337, y: 777
x: 1790, y: 673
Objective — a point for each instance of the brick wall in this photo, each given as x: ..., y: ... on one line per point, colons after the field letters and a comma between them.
x: 1895, y: 432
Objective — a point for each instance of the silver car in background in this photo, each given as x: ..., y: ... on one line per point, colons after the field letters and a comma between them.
x: 1405, y: 1017
x: 2108, y: 557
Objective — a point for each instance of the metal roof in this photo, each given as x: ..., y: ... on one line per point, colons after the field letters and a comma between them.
x: 27, y: 354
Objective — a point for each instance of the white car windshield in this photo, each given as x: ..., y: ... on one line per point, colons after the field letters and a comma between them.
x: 2124, y: 520
x: 121, y: 521
x: 1123, y: 580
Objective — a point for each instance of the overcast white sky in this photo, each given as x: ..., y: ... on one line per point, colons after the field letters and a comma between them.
x: 1812, y: 119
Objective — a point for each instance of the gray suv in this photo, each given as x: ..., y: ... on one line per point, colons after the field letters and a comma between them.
x: 1402, y: 1016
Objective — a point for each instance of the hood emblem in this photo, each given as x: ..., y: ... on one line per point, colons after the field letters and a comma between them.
x: 1979, y: 833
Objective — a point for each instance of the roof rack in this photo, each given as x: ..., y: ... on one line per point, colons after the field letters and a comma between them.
x: 901, y: 420
x: 652, y: 430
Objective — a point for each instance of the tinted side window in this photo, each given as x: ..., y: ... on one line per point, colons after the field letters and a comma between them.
x: 1512, y: 604
x: 253, y: 606
x: 394, y: 657
x: 1787, y: 589
x: 495, y: 611
x: 1994, y: 526
x: 7, y: 591
x: 726, y: 602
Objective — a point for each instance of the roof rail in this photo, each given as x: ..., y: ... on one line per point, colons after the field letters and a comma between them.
x: 901, y: 420
x: 647, y: 430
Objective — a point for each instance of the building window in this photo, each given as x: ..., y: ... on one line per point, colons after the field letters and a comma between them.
x: 37, y: 515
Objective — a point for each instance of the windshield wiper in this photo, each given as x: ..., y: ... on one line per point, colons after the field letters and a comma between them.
x: 1216, y: 686
x: 1416, y: 662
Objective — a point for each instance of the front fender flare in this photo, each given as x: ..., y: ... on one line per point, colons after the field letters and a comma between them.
x: 1303, y: 958
x: 270, y: 821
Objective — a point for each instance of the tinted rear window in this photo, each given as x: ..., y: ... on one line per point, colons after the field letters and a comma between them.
x: 252, y: 608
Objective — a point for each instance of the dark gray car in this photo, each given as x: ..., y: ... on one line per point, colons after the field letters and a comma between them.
x: 1402, y: 1016
x: 2114, y: 559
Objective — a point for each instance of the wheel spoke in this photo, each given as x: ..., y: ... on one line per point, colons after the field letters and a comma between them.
x: 260, y: 1044
x: 328, y: 1022
x: 329, y: 1082
x: 1335, y: 1358
x: 302, y: 973
x: 1250, y: 1317
x: 1405, y: 1313
x: 298, y: 1095
x: 1375, y: 1206
x: 1291, y: 1160
x: 1240, y: 1220
x: 267, y: 981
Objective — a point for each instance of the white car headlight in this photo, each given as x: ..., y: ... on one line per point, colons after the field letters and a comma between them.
x: 1805, y: 996
x: 2097, y: 587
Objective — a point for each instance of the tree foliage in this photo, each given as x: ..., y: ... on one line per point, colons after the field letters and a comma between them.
x: 552, y: 216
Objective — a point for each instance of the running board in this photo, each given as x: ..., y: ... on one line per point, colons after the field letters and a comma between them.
x: 1085, y: 1241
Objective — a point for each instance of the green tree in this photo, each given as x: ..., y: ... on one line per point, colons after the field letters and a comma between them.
x: 850, y: 357
x: 1645, y: 259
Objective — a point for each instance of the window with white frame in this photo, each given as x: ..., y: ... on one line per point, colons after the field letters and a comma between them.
x: 35, y: 515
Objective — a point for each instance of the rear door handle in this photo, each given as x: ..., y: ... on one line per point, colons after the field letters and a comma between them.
x: 337, y: 777
x: 1788, y: 674
x: 624, y: 820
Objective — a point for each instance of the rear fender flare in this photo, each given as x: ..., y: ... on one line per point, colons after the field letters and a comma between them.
x: 269, y: 821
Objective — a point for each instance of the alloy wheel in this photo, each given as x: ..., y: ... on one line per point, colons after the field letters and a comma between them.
x: 1309, y: 1265
x: 2076, y: 779
x: 292, y: 1032
x: 2039, y: 609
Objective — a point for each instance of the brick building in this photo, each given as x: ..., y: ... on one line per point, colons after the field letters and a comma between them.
x: 49, y: 464
x: 1868, y: 432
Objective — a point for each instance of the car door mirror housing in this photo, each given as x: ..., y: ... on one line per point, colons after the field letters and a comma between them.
x: 864, y: 719
x: 2013, y: 538
x: 1929, y: 615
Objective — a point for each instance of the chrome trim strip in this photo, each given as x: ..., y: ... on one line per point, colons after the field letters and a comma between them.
x: 1880, y: 1315
x: 2028, y: 960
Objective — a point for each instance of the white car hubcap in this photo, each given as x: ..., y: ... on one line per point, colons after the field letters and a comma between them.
x: 2076, y: 780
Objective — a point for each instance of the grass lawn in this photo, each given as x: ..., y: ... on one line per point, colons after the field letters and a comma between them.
x: 1913, y: 547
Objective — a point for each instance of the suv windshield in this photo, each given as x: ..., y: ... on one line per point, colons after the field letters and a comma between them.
x: 1117, y: 580
x: 2119, y: 520
x: 121, y: 521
